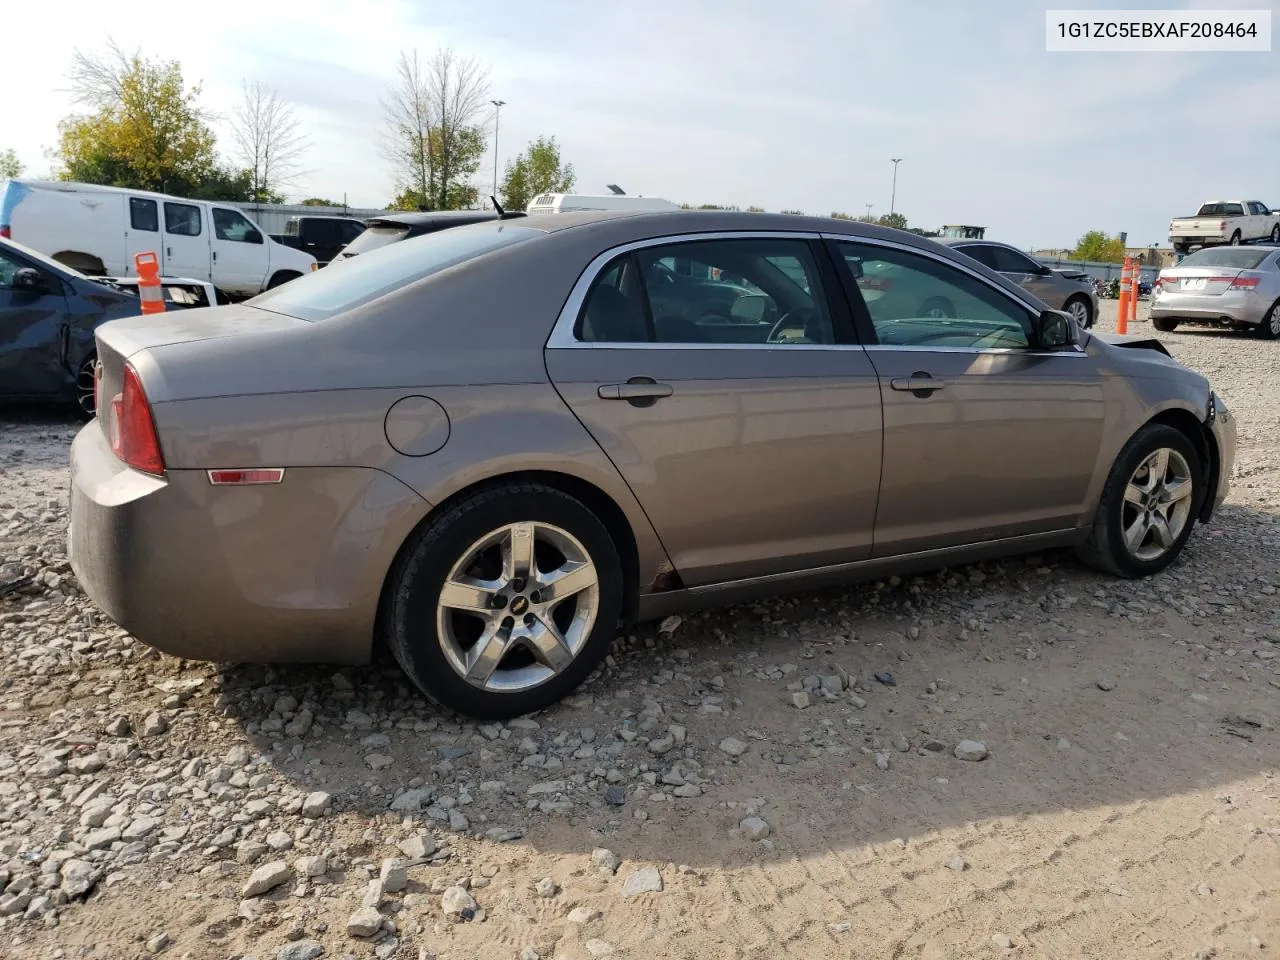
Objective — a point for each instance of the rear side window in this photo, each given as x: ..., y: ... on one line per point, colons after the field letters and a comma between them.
x: 181, y: 219
x: 144, y: 214
x: 353, y: 283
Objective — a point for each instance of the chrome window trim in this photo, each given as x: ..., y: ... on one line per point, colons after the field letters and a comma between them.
x: 562, y: 337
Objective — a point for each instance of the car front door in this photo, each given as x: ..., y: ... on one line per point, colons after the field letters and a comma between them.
x: 239, y: 255
x: 186, y: 242
x: 985, y: 436
x: 33, y: 307
x: 750, y: 437
x: 1029, y: 274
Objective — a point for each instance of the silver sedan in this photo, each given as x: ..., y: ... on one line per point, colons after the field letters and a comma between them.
x: 1225, y: 286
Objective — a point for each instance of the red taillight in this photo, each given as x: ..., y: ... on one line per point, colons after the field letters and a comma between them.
x: 131, y: 428
x: 6, y: 231
x: 1245, y: 283
x: 231, y: 478
x: 1222, y: 225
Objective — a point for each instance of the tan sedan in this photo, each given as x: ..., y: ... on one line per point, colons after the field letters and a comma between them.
x: 490, y: 446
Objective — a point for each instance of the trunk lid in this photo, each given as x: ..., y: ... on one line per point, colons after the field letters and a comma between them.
x: 119, y: 340
x: 1199, y: 226
x: 1204, y: 281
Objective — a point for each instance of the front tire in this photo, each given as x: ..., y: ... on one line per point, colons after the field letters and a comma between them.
x: 1148, y: 506
x: 505, y: 603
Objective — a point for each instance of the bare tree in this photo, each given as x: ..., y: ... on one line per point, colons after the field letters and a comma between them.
x: 433, y: 138
x: 268, y: 141
x: 97, y: 79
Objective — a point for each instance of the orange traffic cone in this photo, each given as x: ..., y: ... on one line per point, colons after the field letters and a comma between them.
x: 149, y: 290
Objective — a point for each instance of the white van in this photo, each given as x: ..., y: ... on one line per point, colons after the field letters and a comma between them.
x: 569, y: 202
x: 97, y: 230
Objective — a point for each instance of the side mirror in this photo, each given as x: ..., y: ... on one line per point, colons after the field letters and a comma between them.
x: 29, y: 280
x: 1044, y: 271
x: 1056, y: 330
x: 253, y: 236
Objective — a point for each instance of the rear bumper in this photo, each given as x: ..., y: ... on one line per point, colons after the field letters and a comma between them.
x: 286, y: 573
x: 1239, y: 307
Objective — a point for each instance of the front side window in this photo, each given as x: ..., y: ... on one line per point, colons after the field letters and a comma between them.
x: 144, y: 214
x: 181, y: 219
x: 234, y: 226
x: 329, y: 292
x: 749, y: 291
x: 916, y: 301
x: 1011, y: 261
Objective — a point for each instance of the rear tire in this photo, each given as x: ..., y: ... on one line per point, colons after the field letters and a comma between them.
x: 1275, y: 234
x: 1164, y: 325
x: 1235, y: 239
x: 1269, y: 328
x: 439, y: 645
x: 1125, y: 539
x: 282, y: 277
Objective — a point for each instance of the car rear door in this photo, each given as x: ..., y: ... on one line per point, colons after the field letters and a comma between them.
x: 985, y: 437
x: 32, y: 332
x: 186, y: 241
x: 751, y: 438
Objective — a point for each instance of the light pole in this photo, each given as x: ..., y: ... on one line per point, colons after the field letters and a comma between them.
x: 894, y: 195
x: 868, y: 210
x: 497, y: 115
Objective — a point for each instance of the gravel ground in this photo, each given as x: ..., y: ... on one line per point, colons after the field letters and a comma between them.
x: 1012, y: 758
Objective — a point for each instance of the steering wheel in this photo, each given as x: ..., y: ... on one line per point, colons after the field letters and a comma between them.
x: 799, y: 317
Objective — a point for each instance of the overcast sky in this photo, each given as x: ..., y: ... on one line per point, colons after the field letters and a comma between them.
x: 794, y: 104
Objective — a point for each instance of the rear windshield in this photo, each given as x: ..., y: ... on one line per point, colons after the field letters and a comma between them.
x: 373, y: 238
x: 1239, y: 258
x: 1221, y: 210
x: 348, y: 284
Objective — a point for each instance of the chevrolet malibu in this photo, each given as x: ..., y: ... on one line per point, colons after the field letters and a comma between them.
x: 489, y: 446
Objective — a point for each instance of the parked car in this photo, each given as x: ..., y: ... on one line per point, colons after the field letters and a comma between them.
x: 48, y: 313
x: 1223, y: 286
x: 478, y: 444
x: 1225, y: 221
x: 97, y: 231
x: 322, y: 237
x: 1076, y: 297
x: 394, y: 227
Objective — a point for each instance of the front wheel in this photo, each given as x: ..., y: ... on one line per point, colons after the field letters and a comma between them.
x: 1148, y: 505
x: 505, y: 603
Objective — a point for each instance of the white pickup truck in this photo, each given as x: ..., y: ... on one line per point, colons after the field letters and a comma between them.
x: 1225, y: 221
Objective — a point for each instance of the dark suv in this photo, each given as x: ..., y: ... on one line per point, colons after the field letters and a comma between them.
x: 394, y: 227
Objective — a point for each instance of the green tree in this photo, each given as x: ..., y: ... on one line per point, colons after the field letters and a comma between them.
x: 895, y: 220
x: 231, y: 185
x: 837, y: 215
x: 794, y: 213
x: 432, y: 135
x: 321, y: 202
x: 146, y: 129
x: 1097, y: 246
x: 755, y: 209
x: 539, y: 169
x: 10, y: 165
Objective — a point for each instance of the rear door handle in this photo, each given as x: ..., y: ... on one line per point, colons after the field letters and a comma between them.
x: 636, y: 389
x: 919, y: 383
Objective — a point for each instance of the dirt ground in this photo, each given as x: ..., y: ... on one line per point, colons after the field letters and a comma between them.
x: 682, y: 805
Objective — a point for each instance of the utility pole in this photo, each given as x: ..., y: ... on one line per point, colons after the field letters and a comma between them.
x: 868, y: 209
x: 893, y: 197
x: 497, y: 115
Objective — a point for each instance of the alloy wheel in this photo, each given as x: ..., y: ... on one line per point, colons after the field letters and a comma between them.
x: 1157, y: 504
x: 1273, y: 320
x: 518, y: 607
x: 1080, y: 311
x: 85, y: 388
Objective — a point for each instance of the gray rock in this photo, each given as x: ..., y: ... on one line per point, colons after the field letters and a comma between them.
x: 311, y: 866
x: 365, y: 922
x: 13, y: 903
x: 300, y: 950
x: 528, y: 953
x: 394, y: 877
x: 159, y: 943
x: 316, y: 804
x: 800, y: 700
x: 546, y: 888
x: 662, y: 745
x: 411, y: 801
x: 957, y: 863
x: 250, y: 851
x: 378, y: 761
x: 418, y: 847
x: 733, y: 746
x: 300, y: 725
x: 644, y: 880
x: 857, y: 701
x: 901, y: 743
x: 1106, y: 684
x: 605, y: 861
x: 582, y: 915
x: 87, y: 764
x: 266, y: 878
x: 1001, y: 941
x: 279, y: 841
x: 971, y: 750
x: 118, y: 727
x: 457, y: 904
x: 102, y: 839
x: 237, y: 756
x: 140, y: 828
x: 882, y: 761
x: 373, y: 894
x: 154, y: 725
x: 754, y: 828
x: 78, y: 878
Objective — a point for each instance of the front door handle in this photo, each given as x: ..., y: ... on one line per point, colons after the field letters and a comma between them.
x: 919, y: 383
x: 639, y: 391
